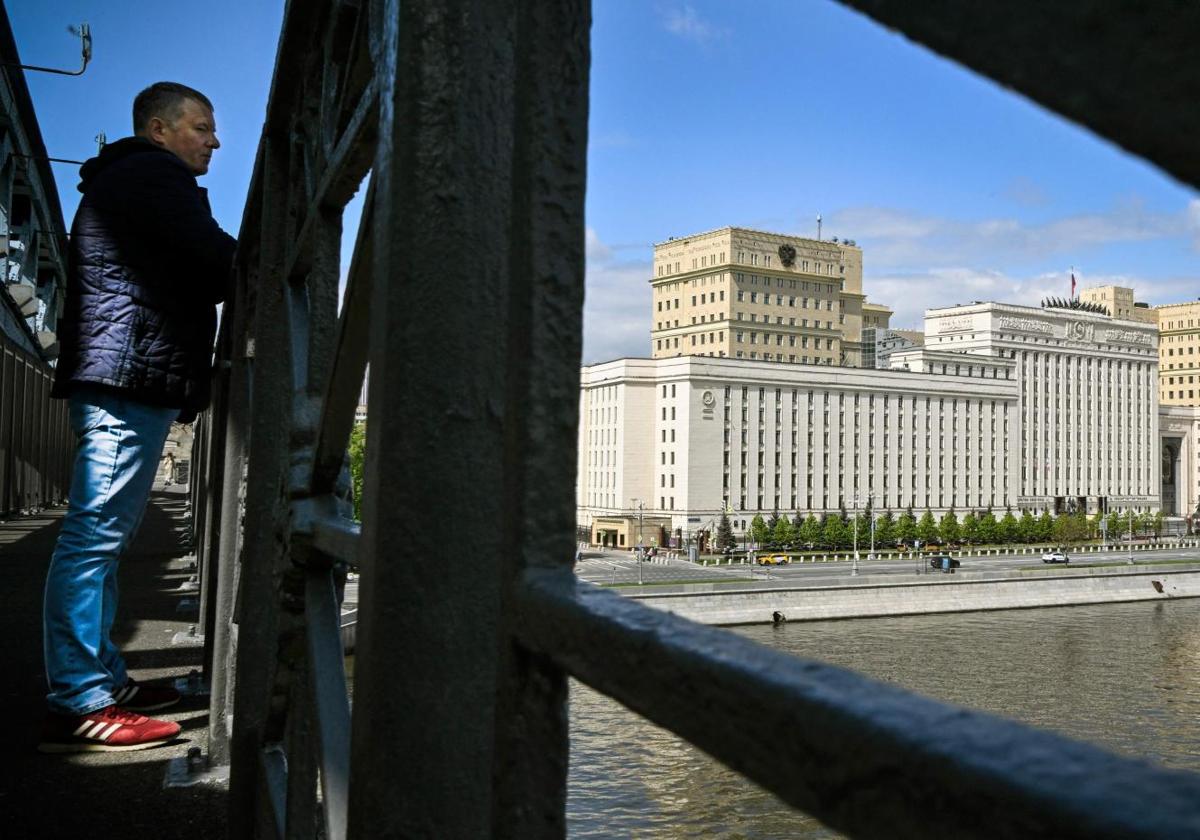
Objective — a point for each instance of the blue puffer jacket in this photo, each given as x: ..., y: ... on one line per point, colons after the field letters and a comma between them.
x: 148, y: 264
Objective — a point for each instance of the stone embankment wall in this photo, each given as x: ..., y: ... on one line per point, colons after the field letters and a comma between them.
x: 945, y: 594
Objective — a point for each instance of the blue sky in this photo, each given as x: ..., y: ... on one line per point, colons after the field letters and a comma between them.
x: 714, y: 113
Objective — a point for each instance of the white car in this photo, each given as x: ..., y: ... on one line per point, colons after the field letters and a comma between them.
x: 1055, y: 557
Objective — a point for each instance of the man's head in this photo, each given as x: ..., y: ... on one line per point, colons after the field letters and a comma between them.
x: 180, y: 119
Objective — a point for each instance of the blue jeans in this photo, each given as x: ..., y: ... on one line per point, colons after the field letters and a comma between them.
x: 116, y: 459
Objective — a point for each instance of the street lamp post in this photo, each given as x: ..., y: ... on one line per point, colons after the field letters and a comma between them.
x: 1130, y: 560
x: 871, y: 556
x: 854, y: 565
x: 640, y: 548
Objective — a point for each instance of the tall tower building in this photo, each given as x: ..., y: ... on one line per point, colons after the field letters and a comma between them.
x: 749, y: 294
x: 1119, y: 302
x: 1179, y: 353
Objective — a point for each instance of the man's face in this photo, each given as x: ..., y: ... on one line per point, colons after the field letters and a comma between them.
x: 192, y: 136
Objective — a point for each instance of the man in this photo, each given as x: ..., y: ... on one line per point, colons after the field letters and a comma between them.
x: 148, y: 264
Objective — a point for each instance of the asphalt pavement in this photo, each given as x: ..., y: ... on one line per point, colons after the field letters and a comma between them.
x: 621, y: 569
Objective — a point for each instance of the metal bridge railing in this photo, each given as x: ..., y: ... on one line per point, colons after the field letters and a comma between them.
x: 465, y: 294
x: 35, y: 439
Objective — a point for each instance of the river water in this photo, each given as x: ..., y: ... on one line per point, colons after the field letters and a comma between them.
x: 1123, y: 676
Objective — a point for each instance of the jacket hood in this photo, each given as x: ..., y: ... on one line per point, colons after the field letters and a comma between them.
x: 111, y: 153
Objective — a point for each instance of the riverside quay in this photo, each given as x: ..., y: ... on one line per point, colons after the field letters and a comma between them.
x: 1050, y: 408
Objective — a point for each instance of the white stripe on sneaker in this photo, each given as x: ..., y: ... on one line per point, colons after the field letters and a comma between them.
x: 87, y: 724
x: 104, y: 736
x: 93, y: 728
x: 124, y: 694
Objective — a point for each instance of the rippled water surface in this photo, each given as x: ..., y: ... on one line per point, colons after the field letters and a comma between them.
x: 1124, y: 676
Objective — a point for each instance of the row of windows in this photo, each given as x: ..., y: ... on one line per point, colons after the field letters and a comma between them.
x: 791, y: 300
x: 766, y: 338
x: 703, y: 338
x: 778, y: 357
x: 692, y: 282
x: 786, y: 283
x: 766, y: 319
x: 704, y: 297
x: 710, y: 318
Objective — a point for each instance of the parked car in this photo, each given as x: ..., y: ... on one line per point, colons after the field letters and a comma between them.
x: 1056, y: 557
x: 773, y: 559
x: 944, y: 562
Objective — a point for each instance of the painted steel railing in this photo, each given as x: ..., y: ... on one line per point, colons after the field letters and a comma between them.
x: 465, y: 294
x: 35, y: 438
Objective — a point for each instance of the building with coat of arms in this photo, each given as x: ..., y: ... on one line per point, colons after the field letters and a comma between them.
x: 997, y: 406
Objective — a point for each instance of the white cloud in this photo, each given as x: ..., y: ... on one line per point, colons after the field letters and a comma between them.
x: 895, y: 239
x: 595, y: 250
x: 683, y: 21
x: 616, y: 310
x: 1193, y: 215
x: 909, y: 294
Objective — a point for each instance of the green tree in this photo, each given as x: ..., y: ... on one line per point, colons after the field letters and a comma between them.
x: 1158, y: 523
x: 970, y: 528
x: 885, y: 530
x: 357, y: 450
x: 927, y: 530
x: 725, y: 539
x: 1114, y: 525
x: 1027, y: 528
x: 1070, y: 528
x: 758, y: 531
x: 1045, y: 527
x: 1147, y: 525
x: 988, y: 529
x: 833, y: 532
x: 1008, y: 530
x: 906, y: 527
x: 783, y: 534
x: 810, y: 535
x: 772, y: 521
x: 949, y: 529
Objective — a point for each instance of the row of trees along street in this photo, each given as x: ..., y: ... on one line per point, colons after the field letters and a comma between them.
x: 836, y: 531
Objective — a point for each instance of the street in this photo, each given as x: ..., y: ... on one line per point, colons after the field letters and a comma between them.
x: 611, y: 567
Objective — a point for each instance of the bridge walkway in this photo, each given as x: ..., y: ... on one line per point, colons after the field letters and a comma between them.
x: 113, y: 793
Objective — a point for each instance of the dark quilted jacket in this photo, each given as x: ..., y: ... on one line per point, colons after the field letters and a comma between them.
x: 148, y: 264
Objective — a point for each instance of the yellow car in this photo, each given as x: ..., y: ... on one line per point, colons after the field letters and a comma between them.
x: 774, y: 560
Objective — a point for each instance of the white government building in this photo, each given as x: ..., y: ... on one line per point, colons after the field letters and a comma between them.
x: 1004, y: 406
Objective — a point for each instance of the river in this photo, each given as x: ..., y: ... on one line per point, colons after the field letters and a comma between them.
x: 1124, y: 676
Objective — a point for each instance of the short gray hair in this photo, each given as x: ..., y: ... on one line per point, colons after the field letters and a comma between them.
x: 165, y: 101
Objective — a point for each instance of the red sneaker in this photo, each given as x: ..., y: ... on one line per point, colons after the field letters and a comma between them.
x: 110, y: 729
x: 145, y: 697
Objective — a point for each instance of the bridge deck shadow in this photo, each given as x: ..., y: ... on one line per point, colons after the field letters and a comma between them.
x: 102, y: 794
